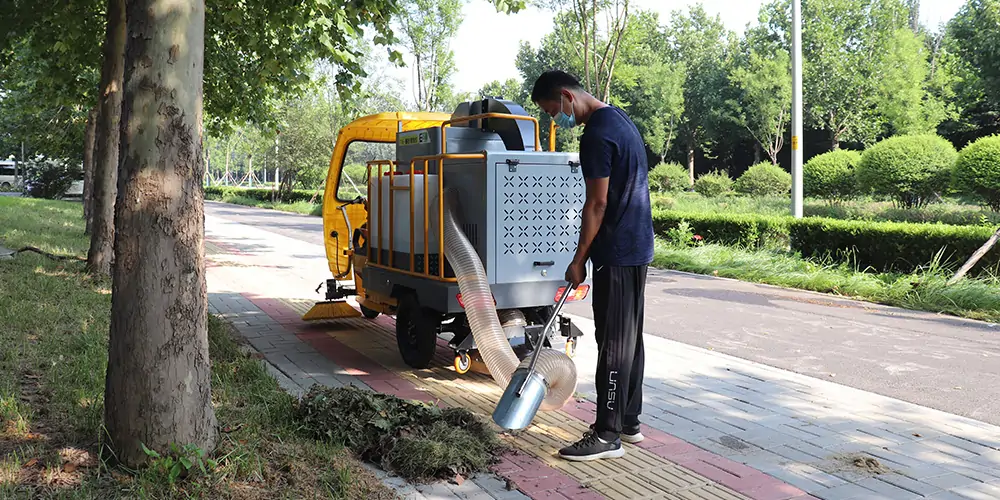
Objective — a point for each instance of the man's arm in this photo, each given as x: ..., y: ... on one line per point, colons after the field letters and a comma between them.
x: 593, y: 215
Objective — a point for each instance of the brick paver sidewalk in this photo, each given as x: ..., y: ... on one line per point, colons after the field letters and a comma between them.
x: 718, y: 427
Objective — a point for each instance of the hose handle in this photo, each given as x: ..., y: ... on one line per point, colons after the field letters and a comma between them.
x: 545, y: 334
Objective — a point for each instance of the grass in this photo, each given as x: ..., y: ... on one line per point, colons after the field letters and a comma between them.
x: 924, y: 290
x: 53, y: 352
x: 952, y: 211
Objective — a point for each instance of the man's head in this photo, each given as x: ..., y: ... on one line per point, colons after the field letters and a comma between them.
x: 561, y: 96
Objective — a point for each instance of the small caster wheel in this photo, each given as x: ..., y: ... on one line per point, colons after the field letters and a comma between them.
x: 571, y: 348
x: 369, y: 313
x: 463, y: 363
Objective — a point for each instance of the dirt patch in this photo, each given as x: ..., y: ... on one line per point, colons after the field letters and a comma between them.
x: 855, y: 463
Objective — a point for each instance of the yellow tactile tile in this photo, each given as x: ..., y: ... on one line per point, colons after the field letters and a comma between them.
x: 638, y: 475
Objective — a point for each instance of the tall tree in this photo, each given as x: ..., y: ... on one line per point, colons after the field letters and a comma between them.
x: 108, y: 132
x: 698, y: 41
x: 428, y: 27
x: 972, y: 36
x: 656, y: 101
x: 158, y: 389
x: 764, y: 107
x: 596, y: 28
x: 89, y: 139
x: 906, y: 97
x: 510, y: 89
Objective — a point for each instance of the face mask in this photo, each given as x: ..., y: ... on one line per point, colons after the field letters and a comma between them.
x: 564, y: 120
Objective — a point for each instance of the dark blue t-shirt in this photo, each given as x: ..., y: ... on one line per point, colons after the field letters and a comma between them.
x: 612, y: 147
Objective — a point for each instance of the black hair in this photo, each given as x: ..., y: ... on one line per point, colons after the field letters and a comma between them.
x: 549, y: 85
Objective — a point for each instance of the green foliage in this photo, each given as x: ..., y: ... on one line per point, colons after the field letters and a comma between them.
x: 744, y: 230
x: 847, y: 44
x: 49, y: 178
x: 413, y: 439
x: 715, y: 183
x: 764, y: 179
x: 890, y: 246
x: 925, y: 290
x: 882, y: 246
x: 911, y: 170
x: 697, y: 41
x: 669, y: 178
x: 905, y: 98
x: 765, y: 104
x: 427, y: 27
x: 974, y: 32
x: 977, y: 171
x: 830, y: 176
x: 265, y: 195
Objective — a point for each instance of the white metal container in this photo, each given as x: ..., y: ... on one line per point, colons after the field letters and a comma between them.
x: 379, y: 203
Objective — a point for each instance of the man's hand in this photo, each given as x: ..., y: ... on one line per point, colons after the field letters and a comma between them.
x: 576, y: 273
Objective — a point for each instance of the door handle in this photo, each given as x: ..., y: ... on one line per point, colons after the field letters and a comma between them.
x: 545, y: 264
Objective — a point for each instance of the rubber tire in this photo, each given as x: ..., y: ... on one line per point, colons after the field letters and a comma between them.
x: 369, y: 313
x: 416, y: 332
x: 463, y: 363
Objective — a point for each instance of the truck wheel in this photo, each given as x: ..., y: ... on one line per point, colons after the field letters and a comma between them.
x: 416, y: 332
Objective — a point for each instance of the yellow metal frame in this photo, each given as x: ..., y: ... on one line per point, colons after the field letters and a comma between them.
x: 378, y: 128
x: 383, y: 128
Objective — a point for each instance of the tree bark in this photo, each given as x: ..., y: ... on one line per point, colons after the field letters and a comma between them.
x: 976, y: 256
x: 108, y: 134
x: 89, y: 139
x: 158, y: 384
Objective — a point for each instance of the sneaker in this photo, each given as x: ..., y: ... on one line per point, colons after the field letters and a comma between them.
x: 592, y: 447
x: 630, y: 435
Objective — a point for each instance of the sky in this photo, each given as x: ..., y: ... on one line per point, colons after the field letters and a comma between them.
x: 487, y: 42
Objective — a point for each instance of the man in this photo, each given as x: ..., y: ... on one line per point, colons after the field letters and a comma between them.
x: 617, y: 236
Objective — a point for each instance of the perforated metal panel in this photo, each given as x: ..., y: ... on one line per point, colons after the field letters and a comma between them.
x: 539, y: 211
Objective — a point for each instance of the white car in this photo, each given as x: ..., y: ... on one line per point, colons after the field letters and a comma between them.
x: 75, y: 189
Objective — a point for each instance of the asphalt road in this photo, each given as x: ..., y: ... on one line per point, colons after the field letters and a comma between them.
x: 932, y: 360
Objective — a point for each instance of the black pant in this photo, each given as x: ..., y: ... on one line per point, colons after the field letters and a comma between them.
x: 618, y: 302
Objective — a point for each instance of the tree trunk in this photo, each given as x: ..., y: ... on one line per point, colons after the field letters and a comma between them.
x: 89, y: 139
x: 106, y: 143
x: 834, y: 141
x: 756, y: 152
x: 158, y: 385
x: 691, y: 163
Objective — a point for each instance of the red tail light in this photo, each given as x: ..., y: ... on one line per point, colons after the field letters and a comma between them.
x: 579, y: 293
x: 462, y: 304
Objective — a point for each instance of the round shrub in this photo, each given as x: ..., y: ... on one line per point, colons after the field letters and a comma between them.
x: 977, y: 171
x: 714, y: 184
x: 50, y: 178
x: 764, y: 179
x: 830, y: 176
x: 669, y: 178
x: 909, y: 169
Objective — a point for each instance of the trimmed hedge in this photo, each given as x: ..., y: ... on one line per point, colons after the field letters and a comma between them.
x: 882, y: 246
x: 890, y: 246
x: 746, y: 230
x: 261, y: 194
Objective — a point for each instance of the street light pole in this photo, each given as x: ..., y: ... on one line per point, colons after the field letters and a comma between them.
x: 797, y: 108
